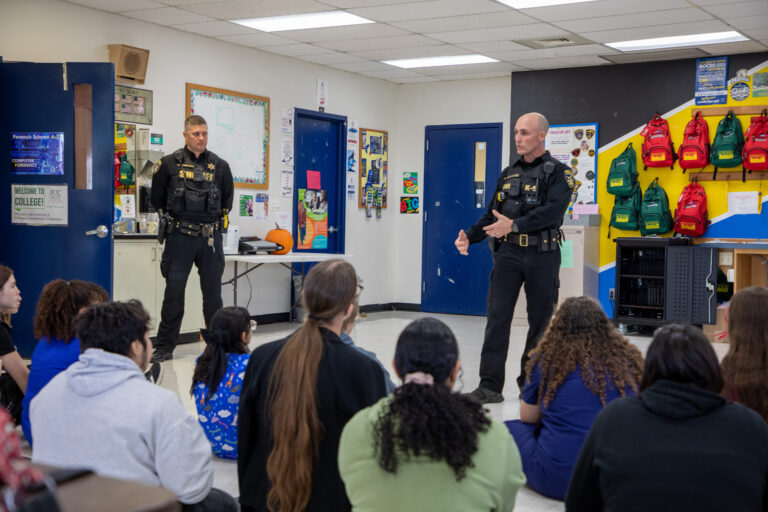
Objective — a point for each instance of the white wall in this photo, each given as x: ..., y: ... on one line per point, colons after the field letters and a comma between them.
x: 387, y: 251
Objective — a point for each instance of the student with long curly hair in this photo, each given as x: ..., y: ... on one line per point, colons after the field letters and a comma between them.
x: 10, y: 300
x: 58, y: 346
x: 580, y: 364
x: 218, y: 378
x: 745, y: 367
x: 426, y: 447
x: 298, y: 393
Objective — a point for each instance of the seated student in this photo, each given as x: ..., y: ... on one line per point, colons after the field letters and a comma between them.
x: 59, y: 303
x: 298, y: 393
x: 426, y: 447
x: 10, y: 300
x: 679, y: 445
x: 745, y: 366
x: 346, y: 338
x: 580, y: 364
x: 218, y: 378
x: 102, y: 414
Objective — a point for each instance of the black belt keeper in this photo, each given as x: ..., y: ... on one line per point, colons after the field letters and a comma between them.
x: 197, y: 228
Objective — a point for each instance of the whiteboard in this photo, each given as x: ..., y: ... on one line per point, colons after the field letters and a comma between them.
x: 238, y: 131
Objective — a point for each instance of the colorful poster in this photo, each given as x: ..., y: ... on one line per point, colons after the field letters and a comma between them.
x: 760, y: 85
x: 576, y: 146
x: 353, y: 140
x: 261, y: 206
x: 374, y: 156
x: 39, y: 205
x: 246, y: 205
x: 409, y: 205
x: 40, y: 153
x: 312, y: 219
x: 410, y: 183
x: 712, y: 81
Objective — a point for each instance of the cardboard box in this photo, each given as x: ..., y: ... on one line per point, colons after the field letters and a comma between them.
x: 718, y: 333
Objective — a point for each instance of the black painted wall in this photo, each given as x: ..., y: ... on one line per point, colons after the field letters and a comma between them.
x: 618, y: 97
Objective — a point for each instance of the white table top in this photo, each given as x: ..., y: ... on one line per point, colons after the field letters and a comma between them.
x: 291, y: 257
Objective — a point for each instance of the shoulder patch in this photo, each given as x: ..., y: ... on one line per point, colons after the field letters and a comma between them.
x: 569, y: 178
x: 155, y: 167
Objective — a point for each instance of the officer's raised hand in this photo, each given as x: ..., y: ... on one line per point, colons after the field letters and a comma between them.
x: 502, y: 226
x: 462, y: 243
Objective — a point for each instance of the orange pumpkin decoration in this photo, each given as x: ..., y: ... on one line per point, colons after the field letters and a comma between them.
x: 280, y: 237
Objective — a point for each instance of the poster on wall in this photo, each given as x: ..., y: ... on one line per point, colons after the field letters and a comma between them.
x: 312, y: 219
x: 409, y: 204
x: 374, y: 156
x: 40, y: 153
x: 712, y: 81
x: 410, y: 182
x: 133, y: 105
x: 39, y: 205
x: 576, y: 146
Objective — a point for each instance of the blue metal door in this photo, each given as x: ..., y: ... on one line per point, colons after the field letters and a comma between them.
x: 40, y: 98
x: 320, y: 142
x: 452, y: 283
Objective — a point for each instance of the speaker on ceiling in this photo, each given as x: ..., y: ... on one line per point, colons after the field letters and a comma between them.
x: 130, y: 62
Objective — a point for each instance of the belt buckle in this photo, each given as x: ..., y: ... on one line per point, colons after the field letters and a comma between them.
x: 523, y: 241
x: 206, y: 229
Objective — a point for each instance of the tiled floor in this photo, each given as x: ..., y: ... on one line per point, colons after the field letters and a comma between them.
x: 378, y: 332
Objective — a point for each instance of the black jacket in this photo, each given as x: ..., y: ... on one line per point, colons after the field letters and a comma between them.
x: 675, y: 447
x: 347, y: 381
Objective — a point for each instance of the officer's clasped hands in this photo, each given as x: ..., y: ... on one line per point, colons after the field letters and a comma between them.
x: 500, y: 228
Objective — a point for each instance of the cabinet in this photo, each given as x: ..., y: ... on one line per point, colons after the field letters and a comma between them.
x: 137, y: 276
x: 661, y: 280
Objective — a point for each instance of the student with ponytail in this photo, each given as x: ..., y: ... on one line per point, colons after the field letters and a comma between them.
x: 218, y: 378
x: 426, y: 447
x: 298, y: 393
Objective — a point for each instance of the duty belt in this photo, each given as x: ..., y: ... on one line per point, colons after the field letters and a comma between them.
x: 525, y: 240
x: 197, y: 228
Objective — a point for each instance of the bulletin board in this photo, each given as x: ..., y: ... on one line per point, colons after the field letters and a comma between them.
x: 374, y: 156
x: 238, y: 130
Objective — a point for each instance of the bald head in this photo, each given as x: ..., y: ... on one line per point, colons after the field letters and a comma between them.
x: 530, y: 132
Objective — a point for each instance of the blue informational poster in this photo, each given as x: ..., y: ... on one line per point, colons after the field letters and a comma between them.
x: 40, y: 153
x: 712, y: 81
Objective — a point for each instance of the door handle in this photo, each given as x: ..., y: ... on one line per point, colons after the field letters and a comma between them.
x: 100, y: 231
x: 332, y: 229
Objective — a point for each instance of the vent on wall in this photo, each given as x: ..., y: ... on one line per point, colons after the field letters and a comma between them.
x: 555, y: 42
x: 130, y: 62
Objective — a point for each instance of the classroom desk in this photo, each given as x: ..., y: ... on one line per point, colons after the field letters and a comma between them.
x: 285, y: 260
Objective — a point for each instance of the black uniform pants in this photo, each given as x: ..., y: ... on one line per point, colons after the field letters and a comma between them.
x: 515, y: 267
x: 181, y: 251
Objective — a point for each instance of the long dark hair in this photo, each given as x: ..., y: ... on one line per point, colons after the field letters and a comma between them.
x: 59, y: 303
x: 225, y: 336
x: 329, y: 289
x: 5, y: 275
x: 428, y: 419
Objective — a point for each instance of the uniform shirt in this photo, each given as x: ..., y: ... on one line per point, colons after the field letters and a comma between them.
x: 548, y: 214
x: 6, y: 341
x: 168, y: 166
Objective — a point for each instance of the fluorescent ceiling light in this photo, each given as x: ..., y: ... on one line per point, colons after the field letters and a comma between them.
x: 303, y: 21
x: 428, y: 62
x: 528, y: 4
x: 676, y: 41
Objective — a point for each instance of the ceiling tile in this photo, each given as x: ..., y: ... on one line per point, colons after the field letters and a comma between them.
x: 635, y: 20
x: 350, y: 4
x: 747, y: 22
x: 428, y: 9
x: 563, y: 62
x: 166, y: 16
x: 476, y: 76
x: 415, y: 80
x: 294, y: 50
x: 243, y: 9
x: 412, y: 52
x: 331, y: 58
x: 391, y: 73
x: 257, y: 39
x: 377, y: 43
x: 716, y: 2
x: 118, y: 5
x: 494, y: 47
x: 601, y: 8
x: 517, y: 33
x: 469, y: 68
x: 368, y: 65
x: 215, y: 28
x: 757, y: 33
x: 177, y: 3
x: 550, y: 53
x: 368, y: 30
x: 740, y: 47
x: 754, y: 8
x: 489, y: 20
x: 701, y: 27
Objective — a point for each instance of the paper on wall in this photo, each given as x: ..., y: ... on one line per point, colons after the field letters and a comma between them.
x: 743, y: 203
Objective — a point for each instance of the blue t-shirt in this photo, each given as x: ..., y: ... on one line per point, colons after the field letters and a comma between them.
x: 50, y: 358
x: 567, y: 418
x: 218, y: 415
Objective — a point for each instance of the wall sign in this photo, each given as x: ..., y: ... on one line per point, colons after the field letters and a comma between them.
x: 576, y: 146
x: 39, y: 205
x: 712, y: 81
x: 38, y: 153
x: 133, y: 105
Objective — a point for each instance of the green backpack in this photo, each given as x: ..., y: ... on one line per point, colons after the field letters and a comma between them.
x: 626, y: 211
x: 655, y: 216
x: 728, y: 143
x: 622, y: 176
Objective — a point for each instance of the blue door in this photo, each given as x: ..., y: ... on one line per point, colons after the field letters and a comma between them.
x: 452, y: 283
x: 320, y: 142
x: 40, y: 98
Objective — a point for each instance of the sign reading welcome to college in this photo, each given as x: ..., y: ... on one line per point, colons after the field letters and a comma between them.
x: 40, y: 205
x: 40, y: 153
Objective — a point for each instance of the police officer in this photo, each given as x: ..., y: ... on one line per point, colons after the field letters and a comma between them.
x: 193, y: 189
x: 523, y: 218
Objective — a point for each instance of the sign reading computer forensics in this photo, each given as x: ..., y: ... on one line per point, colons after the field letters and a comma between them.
x: 40, y: 153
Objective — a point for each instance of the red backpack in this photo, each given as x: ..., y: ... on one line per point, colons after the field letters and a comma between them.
x: 691, y: 213
x: 657, y: 148
x: 694, y: 150
x: 755, y: 153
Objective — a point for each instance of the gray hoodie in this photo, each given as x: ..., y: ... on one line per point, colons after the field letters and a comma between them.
x: 102, y: 414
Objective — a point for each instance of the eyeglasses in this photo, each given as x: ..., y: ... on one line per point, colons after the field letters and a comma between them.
x: 253, y: 325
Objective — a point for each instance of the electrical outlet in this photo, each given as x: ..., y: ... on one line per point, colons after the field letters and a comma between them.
x: 612, y: 294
